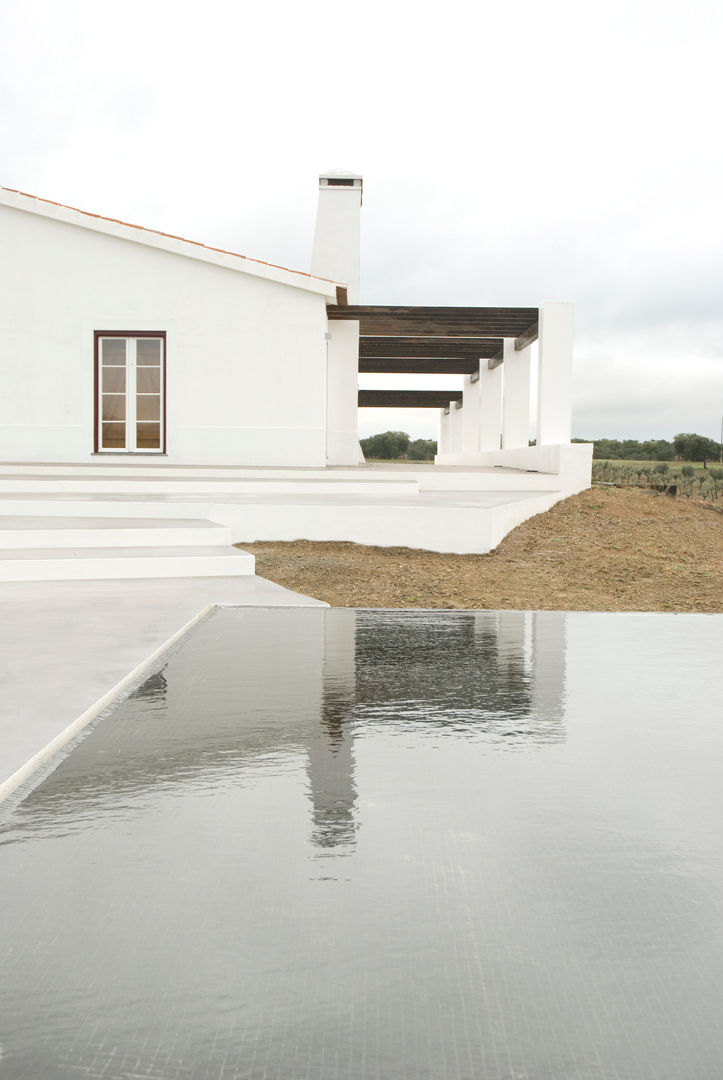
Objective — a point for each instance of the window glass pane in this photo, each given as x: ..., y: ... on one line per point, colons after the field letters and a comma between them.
x: 148, y: 436
x: 114, y: 437
x: 114, y: 406
x: 148, y: 380
x: 114, y: 380
x: 113, y: 350
x: 148, y: 407
x: 148, y: 351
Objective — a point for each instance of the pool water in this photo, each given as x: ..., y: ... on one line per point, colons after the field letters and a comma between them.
x: 334, y: 844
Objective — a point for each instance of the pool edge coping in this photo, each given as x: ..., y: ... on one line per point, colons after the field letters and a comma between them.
x: 20, y: 776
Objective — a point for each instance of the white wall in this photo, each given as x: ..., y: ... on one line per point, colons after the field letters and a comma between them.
x: 246, y: 357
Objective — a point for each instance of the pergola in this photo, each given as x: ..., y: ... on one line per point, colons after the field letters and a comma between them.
x: 489, y: 347
x: 485, y: 421
x: 432, y: 340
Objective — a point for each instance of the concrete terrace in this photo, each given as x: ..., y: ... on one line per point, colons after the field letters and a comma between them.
x: 454, y: 509
x: 103, y: 565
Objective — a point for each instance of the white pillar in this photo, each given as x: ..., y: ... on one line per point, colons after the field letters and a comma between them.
x: 342, y: 393
x: 516, y: 396
x: 554, y: 379
x: 444, y: 444
x: 335, y: 255
x: 456, y: 428
x: 470, y: 415
x: 490, y: 388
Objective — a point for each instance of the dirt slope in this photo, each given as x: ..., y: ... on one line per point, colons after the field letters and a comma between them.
x: 608, y: 549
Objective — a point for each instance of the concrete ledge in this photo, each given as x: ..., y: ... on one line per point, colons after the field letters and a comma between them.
x: 86, y: 564
x: 70, y: 648
x: 559, y: 459
x: 9, y: 786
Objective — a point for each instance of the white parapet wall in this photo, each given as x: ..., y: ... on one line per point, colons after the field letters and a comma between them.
x: 568, y: 465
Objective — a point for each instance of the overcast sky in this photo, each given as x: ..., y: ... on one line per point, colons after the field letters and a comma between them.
x: 512, y: 153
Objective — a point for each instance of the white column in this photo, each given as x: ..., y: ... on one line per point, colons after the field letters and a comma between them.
x: 516, y: 396
x: 554, y: 379
x: 342, y: 393
x: 470, y: 415
x: 444, y: 444
x: 490, y: 388
x: 456, y: 428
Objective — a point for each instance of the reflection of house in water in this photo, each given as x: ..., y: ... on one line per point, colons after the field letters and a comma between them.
x: 253, y: 689
x: 464, y: 671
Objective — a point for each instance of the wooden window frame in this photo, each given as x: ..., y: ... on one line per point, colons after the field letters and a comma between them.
x: 97, y: 336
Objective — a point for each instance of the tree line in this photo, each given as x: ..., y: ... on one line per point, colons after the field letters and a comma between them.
x: 687, y: 446
x: 392, y: 445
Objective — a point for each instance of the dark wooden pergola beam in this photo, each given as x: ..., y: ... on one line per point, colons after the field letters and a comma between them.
x: 406, y: 365
x: 446, y: 348
x: 407, y: 399
x: 530, y: 334
x: 437, y: 321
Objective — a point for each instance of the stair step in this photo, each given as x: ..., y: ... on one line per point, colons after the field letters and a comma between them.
x: 75, y: 564
x: 136, y: 470
x: 49, y: 531
x: 36, y: 485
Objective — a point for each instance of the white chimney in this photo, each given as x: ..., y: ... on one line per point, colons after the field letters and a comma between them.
x: 335, y: 253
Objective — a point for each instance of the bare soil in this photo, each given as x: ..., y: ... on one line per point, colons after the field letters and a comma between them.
x: 607, y: 549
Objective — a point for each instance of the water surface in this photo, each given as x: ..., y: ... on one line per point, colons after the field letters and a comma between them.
x: 326, y: 844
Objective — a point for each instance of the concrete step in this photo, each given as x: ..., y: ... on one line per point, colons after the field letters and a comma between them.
x: 34, y: 484
x: 43, y: 530
x: 136, y: 469
x: 76, y: 564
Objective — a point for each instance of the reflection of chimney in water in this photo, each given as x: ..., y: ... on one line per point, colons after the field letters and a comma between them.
x: 330, y: 749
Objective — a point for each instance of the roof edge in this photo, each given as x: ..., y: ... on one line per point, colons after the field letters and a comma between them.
x: 177, y: 245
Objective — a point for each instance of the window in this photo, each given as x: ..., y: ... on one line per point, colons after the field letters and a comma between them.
x: 130, y: 391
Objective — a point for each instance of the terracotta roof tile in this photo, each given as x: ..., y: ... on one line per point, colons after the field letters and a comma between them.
x: 169, y: 236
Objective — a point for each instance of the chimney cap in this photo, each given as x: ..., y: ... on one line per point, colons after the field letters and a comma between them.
x: 340, y: 174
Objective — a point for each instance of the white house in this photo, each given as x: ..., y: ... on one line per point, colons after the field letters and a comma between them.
x: 117, y: 339
x: 124, y: 342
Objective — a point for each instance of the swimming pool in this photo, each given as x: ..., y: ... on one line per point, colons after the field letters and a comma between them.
x: 335, y: 843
